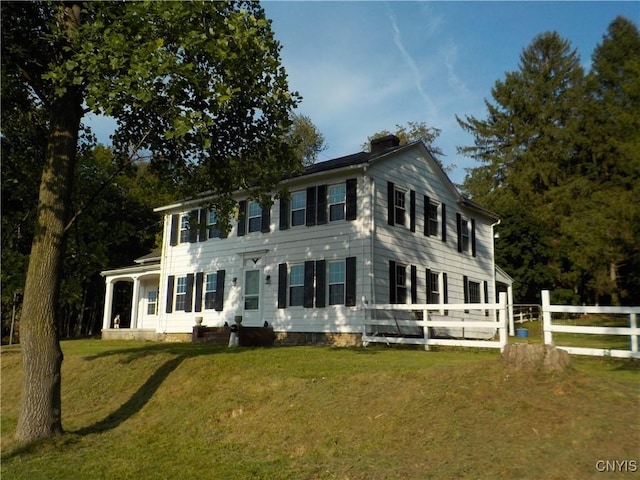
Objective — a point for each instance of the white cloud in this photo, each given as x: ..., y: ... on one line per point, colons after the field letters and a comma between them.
x: 413, y: 67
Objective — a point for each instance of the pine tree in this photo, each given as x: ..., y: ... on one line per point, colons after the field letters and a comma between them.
x: 525, y: 145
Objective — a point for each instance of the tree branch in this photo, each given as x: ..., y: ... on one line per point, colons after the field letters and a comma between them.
x: 104, y: 185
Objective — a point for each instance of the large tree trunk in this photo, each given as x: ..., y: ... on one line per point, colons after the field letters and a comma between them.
x: 40, y: 415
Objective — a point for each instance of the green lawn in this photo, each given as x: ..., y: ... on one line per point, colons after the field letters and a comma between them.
x: 184, y: 411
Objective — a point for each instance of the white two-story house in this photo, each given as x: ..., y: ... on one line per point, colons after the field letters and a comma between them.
x: 378, y: 227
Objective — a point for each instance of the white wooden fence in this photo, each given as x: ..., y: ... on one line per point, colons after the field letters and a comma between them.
x: 377, y: 330
x: 632, y: 330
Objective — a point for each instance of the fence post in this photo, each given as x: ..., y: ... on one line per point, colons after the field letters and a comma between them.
x: 633, y: 323
x: 546, y: 318
x: 425, y: 329
x: 504, y: 320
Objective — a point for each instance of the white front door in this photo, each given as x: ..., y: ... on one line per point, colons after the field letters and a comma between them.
x: 252, y: 301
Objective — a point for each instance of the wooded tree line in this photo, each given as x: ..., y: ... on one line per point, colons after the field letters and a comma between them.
x: 559, y: 154
x: 559, y: 162
x: 200, y: 86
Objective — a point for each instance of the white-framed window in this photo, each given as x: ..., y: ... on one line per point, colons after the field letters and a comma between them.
x: 210, y: 286
x: 152, y: 302
x: 432, y: 218
x: 433, y: 284
x: 184, y: 228
x: 401, y: 283
x: 255, y: 217
x: 298, y: 208
x: 400, y: 206
x: 337, y: 201
x: 474, y: 292
x: 212, y: 225
x: 181, y: 293
x: 296, y: 285
x: 337, y: 276
x: 465, y: 234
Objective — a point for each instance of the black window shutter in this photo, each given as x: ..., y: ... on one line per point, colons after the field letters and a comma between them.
x: 352, y: 199
x: 486, y: 296
x: 350, y: 280
x: 188, y: 299
x: 390, y: 205
x: 282, y: 285
x: 242, y: 218
x: 199, y: 282
x: 171, y: 280
x: 414, y: 284
x: 392, y: 282
x: 218, y: 303
x: 193, y: 226
x: 427, y: 224
x: 473, y: 237
x: 429, y: 287
x: 265, y: 220
x: 465, y: 279
x: 202, y: 234
x: 321, y: 205
x: 444, y: 222
x: 311, y: 206
x: 284, y: 213
x: 175, y: 228
x: 308, y: 284
x: 445, y: 291
x: 412, y: 210
x: 459, y: 229
x: 321, y: 283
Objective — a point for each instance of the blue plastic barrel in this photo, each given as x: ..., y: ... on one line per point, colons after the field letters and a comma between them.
x: 522, y: 332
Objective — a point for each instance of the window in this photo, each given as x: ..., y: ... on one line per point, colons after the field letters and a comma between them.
x: 336, y: 283
x: 184, y: 228
x: 433, y: 285
x: 152, y: 302
x: 337, y: 201
x: 296, y: 286
x: 474, y: 292
x: 255, y: 217
x: 181, y: 293
x: 298, y: 208
x: 432, y: 212
x: 464, y: 234
x: 210, y: 285
x: 212, y: 225
x: 401, y: 284
x: 399, y: 205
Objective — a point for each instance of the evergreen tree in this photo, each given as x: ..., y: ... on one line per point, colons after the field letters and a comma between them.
x: 525, y: 145
x: 601, y: 203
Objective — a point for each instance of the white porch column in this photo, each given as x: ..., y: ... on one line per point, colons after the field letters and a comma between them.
x: 108, y: 302
x: 134, y: 302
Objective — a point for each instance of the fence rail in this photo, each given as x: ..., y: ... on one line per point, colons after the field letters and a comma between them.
x: 417, y: 331
x: 632, y: 330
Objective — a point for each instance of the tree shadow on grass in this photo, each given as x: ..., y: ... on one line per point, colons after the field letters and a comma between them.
x: 137, y: 401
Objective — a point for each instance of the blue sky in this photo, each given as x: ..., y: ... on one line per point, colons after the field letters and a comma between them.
x: 363, y: 67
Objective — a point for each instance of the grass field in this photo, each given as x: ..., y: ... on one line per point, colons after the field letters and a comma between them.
x: 187, y: 411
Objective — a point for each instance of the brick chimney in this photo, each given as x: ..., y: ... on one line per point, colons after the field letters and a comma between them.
x: 382, y: 143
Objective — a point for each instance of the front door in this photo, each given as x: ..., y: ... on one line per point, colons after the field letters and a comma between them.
x: 252, y: 302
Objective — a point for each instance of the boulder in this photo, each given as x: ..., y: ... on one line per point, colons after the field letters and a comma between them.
x: 531, y: 357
